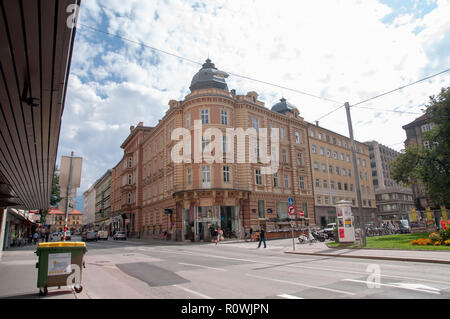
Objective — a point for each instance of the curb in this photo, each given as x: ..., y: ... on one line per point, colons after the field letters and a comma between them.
x: 407, y: 259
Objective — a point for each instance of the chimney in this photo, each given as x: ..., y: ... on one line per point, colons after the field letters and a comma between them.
x: 233, y: 91
x: 317, y: 123
x: 131, y: 128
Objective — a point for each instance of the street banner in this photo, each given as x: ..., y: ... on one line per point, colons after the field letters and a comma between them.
x: 444, y: 214
x: 414, y: 214
x: 75, y: 179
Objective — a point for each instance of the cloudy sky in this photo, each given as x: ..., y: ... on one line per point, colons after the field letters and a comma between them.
x: 348, y: 50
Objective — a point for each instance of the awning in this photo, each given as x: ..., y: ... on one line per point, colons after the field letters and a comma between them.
x: 36, y: 47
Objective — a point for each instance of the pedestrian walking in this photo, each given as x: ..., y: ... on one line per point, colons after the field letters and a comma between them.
x: 251, y: 234
x: 262, y: 237
x: 35, y: 237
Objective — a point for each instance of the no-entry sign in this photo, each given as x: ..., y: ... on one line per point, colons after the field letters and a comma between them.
x: 291, y: 210
x: 302, y: 213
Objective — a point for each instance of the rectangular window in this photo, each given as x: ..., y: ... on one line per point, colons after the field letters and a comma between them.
x: 348, y: 158
x: 130, y: 162
x: 224, y: 117
x: 261, y: 213
x: 206, y: 174
x: 338, y: 170
x: 204, y: 114
x: 297, y: 137
x: 344, y: 172
x: 255, y: 123
x: 271, y: 130
x: 282, y: 133
x: 284, y: 156
x: 351, y: 187
x: 319, y: 200
x: 312, y: 133
x: 316, y: 166
x: 320, y: 136
x: 324, y: 167
x: 188, y: 120
x: 349, y: 172
x: 258, y: 177
x: 305, y: 209
x: 302, y: 182
x: 327, y: 200
x: 345, y: 186
x: 313, y: 148
x: 130, y: 179
x: 322, y: 151
x: 317, y: 182
x: 332, y: 184
x: 325, y: 183
x: 339, y: 185
x: 329, y: 153
x: 342, y: 156
x: 330, y: 169
x: 299, y: 159
x: 275, y: 180
x: 189, y: 175
x: 226, y: 174
x: 335, y: 155
x: 286, y: 180
x: 205, y: 144
x: 224, y: 144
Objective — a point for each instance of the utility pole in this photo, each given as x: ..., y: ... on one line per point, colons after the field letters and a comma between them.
x: 361, y: 220
x: 67, y: 198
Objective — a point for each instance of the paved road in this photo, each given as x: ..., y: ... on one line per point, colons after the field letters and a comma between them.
x: 136, y: 269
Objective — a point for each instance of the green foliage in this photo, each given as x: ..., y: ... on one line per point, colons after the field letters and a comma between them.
x: 55, y: 196
x: 431, y: 166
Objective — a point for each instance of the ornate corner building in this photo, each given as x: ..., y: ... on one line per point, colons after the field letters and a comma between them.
x: 153, y: 196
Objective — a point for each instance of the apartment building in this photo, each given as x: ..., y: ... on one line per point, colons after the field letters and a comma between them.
x: 161, y: 197
x: 89, y: 206
x: 394, y: 201
x: 103, y: 201
x: 334, y: 177
x: 415, y: 135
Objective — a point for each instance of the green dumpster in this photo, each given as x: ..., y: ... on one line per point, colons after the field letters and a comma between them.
x: 60, y: 264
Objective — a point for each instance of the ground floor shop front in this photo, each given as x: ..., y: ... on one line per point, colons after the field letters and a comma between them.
x: 197, y: 215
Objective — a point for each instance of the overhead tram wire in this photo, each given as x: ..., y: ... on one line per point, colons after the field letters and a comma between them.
x: 399, y: 88
x: 383, y: 94
x: 198, y: 63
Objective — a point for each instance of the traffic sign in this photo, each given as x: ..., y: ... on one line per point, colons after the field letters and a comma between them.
x: 291, y: 201
x: 302, y: 213
x: 291, y: 210
x: 292, y: 223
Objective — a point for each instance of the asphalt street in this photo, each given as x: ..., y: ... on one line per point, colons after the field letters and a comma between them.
x: 137, y: 269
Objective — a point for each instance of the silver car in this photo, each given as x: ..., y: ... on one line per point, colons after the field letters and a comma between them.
x: 120, y: 235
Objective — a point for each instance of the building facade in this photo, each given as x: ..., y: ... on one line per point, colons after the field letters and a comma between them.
x: 57, y: 220
x: 334, y: 177
x: 103, y: 202
x: 415, y: 135
x: 185, y: 200
x: 394, y: 201
x: 89, y: 206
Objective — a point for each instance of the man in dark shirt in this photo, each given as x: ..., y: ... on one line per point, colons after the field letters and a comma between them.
x: 262, y: 237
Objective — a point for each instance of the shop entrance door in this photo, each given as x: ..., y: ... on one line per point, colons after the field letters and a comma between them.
x: 228, y: 221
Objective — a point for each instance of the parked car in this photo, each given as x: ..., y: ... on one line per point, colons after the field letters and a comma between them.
x: 120, y: 235
x: 102, y: 234
x: 89, y: 235
x: 329, y: 230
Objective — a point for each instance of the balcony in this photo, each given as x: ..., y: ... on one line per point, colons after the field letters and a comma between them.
x: 127, y: 187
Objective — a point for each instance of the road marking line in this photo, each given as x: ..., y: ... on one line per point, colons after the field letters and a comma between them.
x: 203, y: 266
x: 304, y: 285
x: 303, y: 267
x: 194, y: 292
x: 395, y: 286
x: 289, y: 296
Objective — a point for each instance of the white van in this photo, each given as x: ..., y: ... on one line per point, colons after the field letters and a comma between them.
x: 102, y: 234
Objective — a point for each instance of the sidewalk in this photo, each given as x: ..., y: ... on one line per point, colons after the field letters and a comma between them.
x: 18, y: 277
x: 321, y: 249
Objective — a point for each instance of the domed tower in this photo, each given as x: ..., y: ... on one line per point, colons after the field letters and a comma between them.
x: 209, y: 77
x: 284, y: 106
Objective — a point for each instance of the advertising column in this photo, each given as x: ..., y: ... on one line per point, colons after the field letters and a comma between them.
x: 345, y: 223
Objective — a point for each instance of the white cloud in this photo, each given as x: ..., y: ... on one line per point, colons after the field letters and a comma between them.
x: 340, y: 49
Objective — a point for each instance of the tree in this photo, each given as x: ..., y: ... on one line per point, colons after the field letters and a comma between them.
x: 54, y: 197
x: 430, y: 166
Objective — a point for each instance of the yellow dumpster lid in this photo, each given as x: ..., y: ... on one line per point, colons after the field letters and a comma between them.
x: 62, y: 244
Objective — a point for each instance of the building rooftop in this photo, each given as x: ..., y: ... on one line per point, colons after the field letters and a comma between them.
x: 209, y: 77
x: 283, y: 106
x: 418, y: 121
